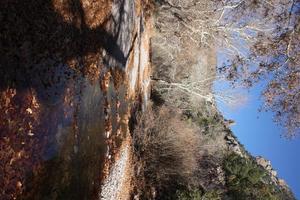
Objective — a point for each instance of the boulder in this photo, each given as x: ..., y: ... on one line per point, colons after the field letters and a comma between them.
x: 263, y: 162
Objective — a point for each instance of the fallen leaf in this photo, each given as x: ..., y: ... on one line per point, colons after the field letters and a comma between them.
x: 30, y: 133
x: 29, y: 110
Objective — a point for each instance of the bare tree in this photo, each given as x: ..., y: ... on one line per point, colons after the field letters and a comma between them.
x: 273, y: 58
x: 189, y: 88
x: 257, y: 40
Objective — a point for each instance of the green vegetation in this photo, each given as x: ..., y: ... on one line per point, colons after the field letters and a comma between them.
x: 198, y: 195
x: 183, y: 77
x: 246, y: 180
x: 176, y: 160
x: 189, y: 195
x: 208, y: 122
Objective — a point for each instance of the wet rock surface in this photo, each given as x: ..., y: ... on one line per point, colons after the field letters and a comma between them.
x: 71, y: 73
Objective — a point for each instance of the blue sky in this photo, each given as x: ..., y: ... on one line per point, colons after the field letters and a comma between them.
x: 261, y: 136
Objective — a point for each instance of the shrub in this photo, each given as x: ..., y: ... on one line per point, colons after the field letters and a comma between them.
x: 189, y: 195
x: 197, y: 194
x: 212, y: 195
x: 166, y: 148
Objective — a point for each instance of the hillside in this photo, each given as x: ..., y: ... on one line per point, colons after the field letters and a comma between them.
x: 208, y: 162
x: 114, y: 100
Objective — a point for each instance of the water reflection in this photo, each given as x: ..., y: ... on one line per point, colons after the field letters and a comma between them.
x: 59, y: 98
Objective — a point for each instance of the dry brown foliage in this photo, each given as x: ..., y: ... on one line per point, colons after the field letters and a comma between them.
x: 166, y: 149
x: 19, y: 145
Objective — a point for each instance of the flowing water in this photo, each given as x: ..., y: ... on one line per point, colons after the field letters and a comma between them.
x: 70, y: 75
x: 59, y: 142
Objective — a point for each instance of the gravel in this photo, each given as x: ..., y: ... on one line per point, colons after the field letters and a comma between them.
x: 114, y: 183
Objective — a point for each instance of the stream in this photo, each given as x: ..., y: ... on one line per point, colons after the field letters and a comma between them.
x: 69, y: 83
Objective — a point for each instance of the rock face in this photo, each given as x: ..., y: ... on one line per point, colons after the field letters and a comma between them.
x: 133, y: 36
x: 266, y: 164
x: 263, y: 162
x: 234, y: 145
